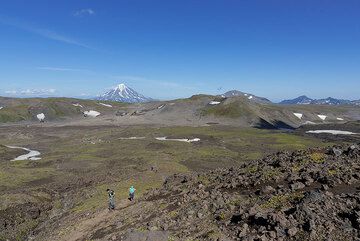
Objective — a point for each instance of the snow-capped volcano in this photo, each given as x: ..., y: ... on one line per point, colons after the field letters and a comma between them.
x: 123, y: 93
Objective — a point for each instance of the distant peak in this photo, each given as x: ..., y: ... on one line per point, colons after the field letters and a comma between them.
x: 123, y: 93
x: 121, y: 87
x: 304, y: 96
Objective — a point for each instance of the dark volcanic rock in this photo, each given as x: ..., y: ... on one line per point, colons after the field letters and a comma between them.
x: 304, y: 195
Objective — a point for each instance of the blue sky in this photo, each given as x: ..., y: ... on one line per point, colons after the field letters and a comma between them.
x: 170, y: 49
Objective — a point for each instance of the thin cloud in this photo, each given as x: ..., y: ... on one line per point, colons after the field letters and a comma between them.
x: 46, y: 33
x: 31, y: 92
x: 62, y: 69
x: 84, y: 12
x: 11, y: 92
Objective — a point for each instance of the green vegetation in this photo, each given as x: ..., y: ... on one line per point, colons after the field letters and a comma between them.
x: 101, y: 148
x: 280, y: 201
x: 317, y: 157
x: 232, y: 110
x: 16, y: 177
x: 14, y: 114
x: 90, y: 160
x: 99, y: 197
x: 55, y: 108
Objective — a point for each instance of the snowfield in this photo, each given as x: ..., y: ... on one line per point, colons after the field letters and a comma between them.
x: 323, y: 117
x: 32, y: 155
x: 298, y: 115
x: 78, y: 105
x: 340, y: 119
x: 182, y: 140
x: 1, y: 107
x: 334, y: 132
x: 250, y: 97
x: 214, y: 102
x: 107, y: 105
x: 91, y: 113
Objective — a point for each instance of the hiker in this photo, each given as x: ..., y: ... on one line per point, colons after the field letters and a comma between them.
x: 111, y: 194
x: 132, y: 193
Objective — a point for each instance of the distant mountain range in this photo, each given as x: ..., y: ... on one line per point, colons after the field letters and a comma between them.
x: 301, y: 100
x: 304, y: 100
x: 123, y: 93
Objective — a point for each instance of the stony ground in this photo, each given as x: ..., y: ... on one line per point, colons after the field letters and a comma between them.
x: 55, y: 194
x: 303, y: 195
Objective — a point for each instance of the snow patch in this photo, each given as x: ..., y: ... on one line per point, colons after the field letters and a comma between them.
x: 121, y: 87
x: 77, y: 105
x: 182, y: 140
x: 40, y: 117
x: 32, y: 155
x: 246, y: 94
x: 309, y: 123
x: 250, y: 97
x: 1, y: 107
x: 340, y: 119
x: 334, y: 132
x: 91, y: 113
x: 161, y: 106
x: 214, y: 102
x: 107, y: 105
x: 323, y: 117
x: 298, y: 115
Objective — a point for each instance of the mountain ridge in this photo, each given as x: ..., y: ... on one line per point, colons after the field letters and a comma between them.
x: 249, y: 96
x: 304, y: 100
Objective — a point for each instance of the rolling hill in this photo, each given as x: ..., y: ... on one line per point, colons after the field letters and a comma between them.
x: 196, y: 110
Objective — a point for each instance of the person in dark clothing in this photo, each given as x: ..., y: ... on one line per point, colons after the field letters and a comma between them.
x: 132, y: 193
x: 111, y: 195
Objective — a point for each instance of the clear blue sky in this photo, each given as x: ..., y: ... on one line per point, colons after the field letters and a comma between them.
x: 176, y: 48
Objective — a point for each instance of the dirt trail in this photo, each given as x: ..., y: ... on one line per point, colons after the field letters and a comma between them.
x: 83, y: 227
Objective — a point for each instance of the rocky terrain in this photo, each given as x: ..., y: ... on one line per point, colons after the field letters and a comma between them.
x: 198, y: 110
x: 61, y: 196
x: 303, y: 195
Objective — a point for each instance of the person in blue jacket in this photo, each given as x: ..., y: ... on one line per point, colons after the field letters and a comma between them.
x: 132, y: 193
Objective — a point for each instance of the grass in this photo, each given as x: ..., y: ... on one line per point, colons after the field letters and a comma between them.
x: 232, y: 110
x: 219, y: 147
x: 280, y: 201
x: 55, y: 108
x: 99, y: 197
x: 118, y: 164
x: 70, y: 160
x: 16, y: 177
x: 17, y: 113
x: 317, y: 157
